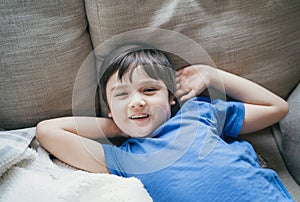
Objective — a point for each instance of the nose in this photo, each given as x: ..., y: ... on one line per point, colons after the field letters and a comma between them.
x: 137, y: 102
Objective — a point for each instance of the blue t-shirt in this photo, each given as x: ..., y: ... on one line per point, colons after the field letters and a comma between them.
x: 188, y: 159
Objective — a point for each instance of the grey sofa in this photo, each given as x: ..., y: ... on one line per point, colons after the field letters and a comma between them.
x: 44, y: 44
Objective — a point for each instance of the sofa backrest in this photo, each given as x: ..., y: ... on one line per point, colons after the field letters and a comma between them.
x: 258, y: 40
x: 43, y: 45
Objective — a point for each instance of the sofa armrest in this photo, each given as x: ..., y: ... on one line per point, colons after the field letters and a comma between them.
x: 289, y: 141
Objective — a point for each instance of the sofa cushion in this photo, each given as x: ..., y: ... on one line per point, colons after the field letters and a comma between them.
x: 43, y: 44
x: 255, y: 39
x: 290, y: 139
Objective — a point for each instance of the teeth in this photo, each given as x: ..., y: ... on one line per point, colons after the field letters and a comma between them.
x: 139, y: 116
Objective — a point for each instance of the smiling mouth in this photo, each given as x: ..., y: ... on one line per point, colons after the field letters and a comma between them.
x: 140, y: 116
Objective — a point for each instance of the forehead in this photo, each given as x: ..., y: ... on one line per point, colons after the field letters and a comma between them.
x: 135, y: 76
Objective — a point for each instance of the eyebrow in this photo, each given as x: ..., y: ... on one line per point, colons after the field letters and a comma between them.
x: 142, y: 83
x: 118, y: 86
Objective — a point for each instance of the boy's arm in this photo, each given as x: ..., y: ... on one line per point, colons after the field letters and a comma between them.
x: 89, y: 127
x: 262, y: 107
x: 68, y: 139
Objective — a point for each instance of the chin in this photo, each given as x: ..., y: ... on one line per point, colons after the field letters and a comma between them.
x: 136, y: 134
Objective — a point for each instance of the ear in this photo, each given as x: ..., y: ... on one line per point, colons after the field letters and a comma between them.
x: 172, y: 101
x: 109, y: 115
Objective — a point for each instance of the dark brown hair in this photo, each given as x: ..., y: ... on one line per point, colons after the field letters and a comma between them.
x: 126, y: 58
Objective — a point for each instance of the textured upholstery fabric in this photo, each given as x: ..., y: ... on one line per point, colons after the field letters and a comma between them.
x: 258, y: 40
x: 255, y: 39
x: 290, y: 127
x: 265, y: 144
x: 43, y: 44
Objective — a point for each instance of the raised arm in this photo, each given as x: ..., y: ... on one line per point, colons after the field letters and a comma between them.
x: 69, y: 139
x: 262, y: 107
x: 89, y: 127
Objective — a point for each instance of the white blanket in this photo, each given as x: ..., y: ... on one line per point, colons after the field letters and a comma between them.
x: 30, y: 175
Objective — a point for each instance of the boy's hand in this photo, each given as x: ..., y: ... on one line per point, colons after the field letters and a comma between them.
x: 262, y: 107
x: 191, y: 81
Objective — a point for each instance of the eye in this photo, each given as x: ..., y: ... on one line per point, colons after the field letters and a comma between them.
x: 121, y: 94
x: 150, y: 90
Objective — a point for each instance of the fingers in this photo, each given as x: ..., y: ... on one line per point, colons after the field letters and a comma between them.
x: 182, y: 87
x: 184, y: 92
x: 178, y: 72
x: 179, y: 93
x: 184, y: 96
x: 189, y: 83
x: 188, y: 96
x: 188, y: 88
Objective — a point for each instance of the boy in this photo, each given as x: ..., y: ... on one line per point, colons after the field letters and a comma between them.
x: 166, y: 152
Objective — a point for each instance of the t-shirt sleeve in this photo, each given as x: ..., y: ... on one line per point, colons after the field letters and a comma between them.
x: 113, y: 160
x: 230, y: 116
x: 235, y: 114
x: 123, y: 162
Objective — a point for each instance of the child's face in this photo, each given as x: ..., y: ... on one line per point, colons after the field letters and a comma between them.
x: 138, y: 106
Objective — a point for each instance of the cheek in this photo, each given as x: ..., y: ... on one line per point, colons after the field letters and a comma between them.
x: 162, y: 113
x: 163, y: 108
x: 118, y: 107
x: 114, y: 106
